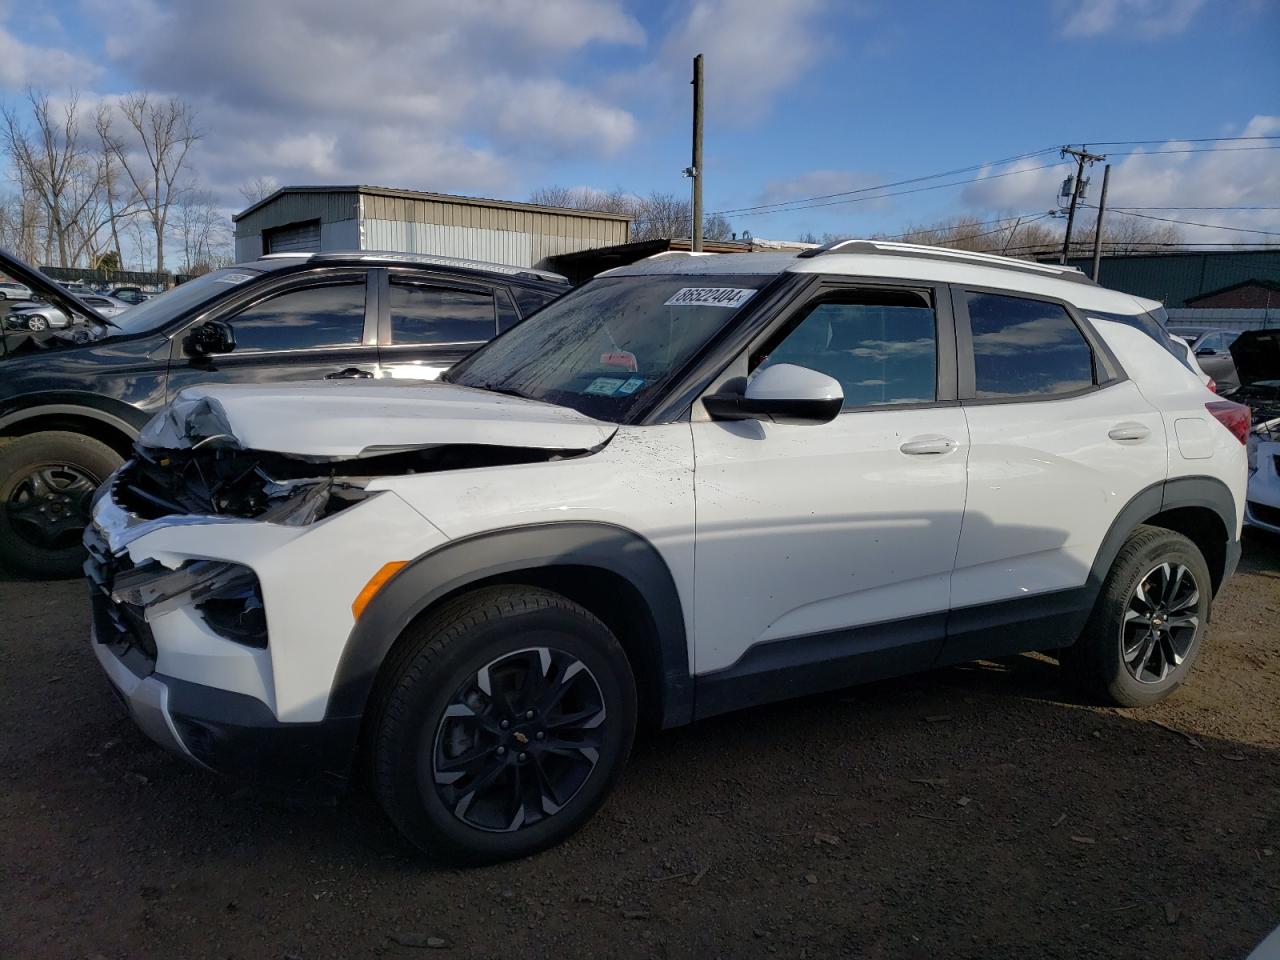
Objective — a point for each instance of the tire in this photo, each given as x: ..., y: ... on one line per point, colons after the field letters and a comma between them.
x: 1115, y: 661
x: 36, y: 323
x: 421, y: 731
x: 58, y: 471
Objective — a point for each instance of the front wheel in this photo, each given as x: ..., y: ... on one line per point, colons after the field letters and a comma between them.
x: 1148, y: 623
x: 47, y: 480
x: 501, y: 725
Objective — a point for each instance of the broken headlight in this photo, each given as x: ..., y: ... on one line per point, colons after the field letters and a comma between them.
x: 227, y: 596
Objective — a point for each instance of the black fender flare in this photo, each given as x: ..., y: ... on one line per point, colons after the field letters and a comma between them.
x: 1205, y: 492
x: 469, y: 560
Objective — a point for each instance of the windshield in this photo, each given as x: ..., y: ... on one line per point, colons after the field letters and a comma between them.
x: 606, y: 347
x: 158, y: 311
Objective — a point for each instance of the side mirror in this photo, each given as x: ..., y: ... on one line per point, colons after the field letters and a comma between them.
x: 783, y: 393
x: 212, y: 336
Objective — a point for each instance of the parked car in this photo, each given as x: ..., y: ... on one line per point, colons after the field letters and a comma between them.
x: 14, y: 291
x: 1213, y: 354
x: 38, y: 316
x: 1257, y: 359
x: 73, y: 396
x: 692, y: 485
x: 1194, y: 364
x: 131, y: 294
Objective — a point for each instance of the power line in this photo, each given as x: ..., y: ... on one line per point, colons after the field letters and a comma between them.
x: 1196, y: 208
x: 900, y: 193
x: 1193, y: 223
x: 1024, y: 219
x: 895, y: 183
x: 1134, y: 143
x: 1157, y: 153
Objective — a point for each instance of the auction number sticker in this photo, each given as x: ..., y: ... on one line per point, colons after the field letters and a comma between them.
x: 234, y: 278
x: 709, y: 297
x: 603, y: 386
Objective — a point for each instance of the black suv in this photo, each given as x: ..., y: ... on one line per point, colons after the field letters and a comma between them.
x: 73, y: 399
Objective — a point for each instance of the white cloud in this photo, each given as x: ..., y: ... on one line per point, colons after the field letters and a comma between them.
x: 23, y: 64
x: 1239, y: 174
x: 752, y: 49
x: 1150, y: 19
x: 416, y: 93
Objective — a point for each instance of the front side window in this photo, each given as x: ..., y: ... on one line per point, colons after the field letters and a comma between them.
x: 331, y: 315
x: 422, y: 314
x: 609, y: 345
x: 880, y: 345
x: 1026, y: 348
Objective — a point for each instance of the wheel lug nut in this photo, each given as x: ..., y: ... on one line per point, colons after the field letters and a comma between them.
x: 528, y: 714
x: 540, y: 735
x: 522, y: 758
x: 501, y: 751
x: 504, y: 724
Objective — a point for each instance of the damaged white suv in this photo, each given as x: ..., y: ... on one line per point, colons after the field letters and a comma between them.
x: 692, y: 485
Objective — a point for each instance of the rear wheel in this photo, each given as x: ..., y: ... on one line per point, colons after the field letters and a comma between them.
x: 1146, y: 628
x: 47, y: 480
x: 501, y: 725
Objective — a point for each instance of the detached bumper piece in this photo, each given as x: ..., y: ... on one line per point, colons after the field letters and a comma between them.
x: 213, y: 728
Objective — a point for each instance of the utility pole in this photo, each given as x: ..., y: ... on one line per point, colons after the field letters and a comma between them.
x: 1097, y: 230
x: 1082, y: 157
x: 697, y: 153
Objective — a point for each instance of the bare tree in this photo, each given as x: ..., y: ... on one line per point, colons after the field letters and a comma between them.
x: 202, y: 229
x: 259, y: 188
x: 657, y: 216
x: 162, y: 134
x: 53, y: 165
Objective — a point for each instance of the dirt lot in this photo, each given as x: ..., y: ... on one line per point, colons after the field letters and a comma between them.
x: 970, y: 812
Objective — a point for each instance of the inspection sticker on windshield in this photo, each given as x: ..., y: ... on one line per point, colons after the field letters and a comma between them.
x: 233, y: 278
x: 709, y: 297
x: 603, y: 386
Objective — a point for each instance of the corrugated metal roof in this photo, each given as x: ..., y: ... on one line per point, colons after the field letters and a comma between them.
x: 371, y: 191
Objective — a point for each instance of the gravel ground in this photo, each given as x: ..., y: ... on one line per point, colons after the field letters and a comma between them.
x: 969, y: 812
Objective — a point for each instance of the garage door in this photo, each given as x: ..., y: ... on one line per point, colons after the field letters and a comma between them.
x: 293, y: 238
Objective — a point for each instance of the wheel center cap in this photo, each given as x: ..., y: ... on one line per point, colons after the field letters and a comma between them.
x: 521, y: 738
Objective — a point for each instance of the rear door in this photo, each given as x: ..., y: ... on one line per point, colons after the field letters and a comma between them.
x: 1059, y: 442
x: 313, y: 327
x: 429, y: 323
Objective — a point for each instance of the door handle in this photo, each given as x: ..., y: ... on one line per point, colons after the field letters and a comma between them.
x: 928, y: 446
x: 351, y: 373
x: 1129, y: 431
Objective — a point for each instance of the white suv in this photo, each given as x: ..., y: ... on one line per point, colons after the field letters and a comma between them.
x: 692, y: 485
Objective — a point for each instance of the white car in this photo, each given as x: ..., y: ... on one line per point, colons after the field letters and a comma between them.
x: 1256, y: 355
x: 692, y: 485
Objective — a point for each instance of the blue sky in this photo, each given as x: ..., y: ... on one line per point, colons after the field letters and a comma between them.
x: 497, y: 97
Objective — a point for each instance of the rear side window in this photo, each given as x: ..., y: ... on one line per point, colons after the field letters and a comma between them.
x: 1026, y: 348
x: 529, y: 299
x: 423, y: 314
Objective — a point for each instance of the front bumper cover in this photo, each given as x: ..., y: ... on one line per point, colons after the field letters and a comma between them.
x: 228, y: 732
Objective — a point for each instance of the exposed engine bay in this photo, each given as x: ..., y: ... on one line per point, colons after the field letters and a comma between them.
x: 189, y: 462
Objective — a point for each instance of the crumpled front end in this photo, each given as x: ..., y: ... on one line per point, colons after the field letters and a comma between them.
x: 1262, y: 505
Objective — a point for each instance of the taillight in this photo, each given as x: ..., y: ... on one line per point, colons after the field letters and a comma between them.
x: 1212, y: 385
x: 1236, y: 417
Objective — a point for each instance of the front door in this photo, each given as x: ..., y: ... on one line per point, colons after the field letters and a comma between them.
x: 310, y: 330
x: 824, y: 553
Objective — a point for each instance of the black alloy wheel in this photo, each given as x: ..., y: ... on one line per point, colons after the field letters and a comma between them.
x: 519, y: 739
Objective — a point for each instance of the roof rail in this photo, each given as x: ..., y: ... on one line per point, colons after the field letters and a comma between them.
x: 946, y: 254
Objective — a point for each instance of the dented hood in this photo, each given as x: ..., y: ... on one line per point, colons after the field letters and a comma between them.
x: 342, y: 419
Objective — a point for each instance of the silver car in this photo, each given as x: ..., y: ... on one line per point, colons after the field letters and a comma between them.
x: 9, y: 290
x: 40, y: 315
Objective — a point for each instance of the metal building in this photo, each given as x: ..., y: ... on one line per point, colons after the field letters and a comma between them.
x: 377, y: 218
